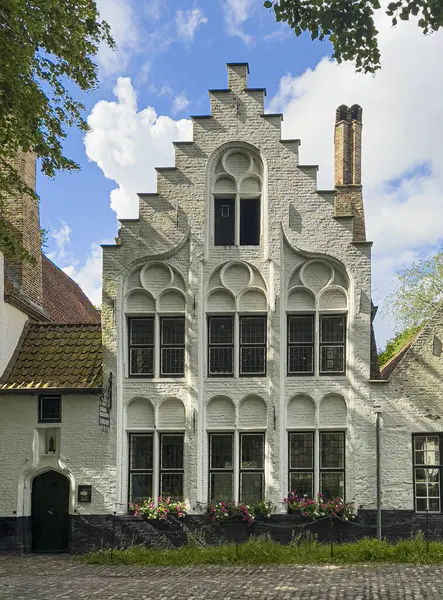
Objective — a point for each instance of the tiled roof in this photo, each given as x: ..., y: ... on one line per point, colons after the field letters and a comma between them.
x: 56, y: 357
x: 374, y: 368
x: 392, y: 363
x: 63, y: 299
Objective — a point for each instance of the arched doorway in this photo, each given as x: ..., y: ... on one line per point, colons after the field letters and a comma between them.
x: 50, y: 513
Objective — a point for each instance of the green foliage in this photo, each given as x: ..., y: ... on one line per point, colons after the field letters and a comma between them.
x: 44, y: 46
x: 10, y: 244
x: 396, y: 344
x: 420, y: 290
x: 349, y: 24
x: 44, y: 233
x: 263, y: 551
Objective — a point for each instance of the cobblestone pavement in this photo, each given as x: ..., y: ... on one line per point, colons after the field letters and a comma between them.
x: 58, y: 578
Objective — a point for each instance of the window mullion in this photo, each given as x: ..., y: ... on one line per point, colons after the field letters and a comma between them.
x: 237, y: 219
x: 237, y: 345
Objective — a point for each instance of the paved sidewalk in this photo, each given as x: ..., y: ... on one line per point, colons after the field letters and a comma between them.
x: 58, y: 578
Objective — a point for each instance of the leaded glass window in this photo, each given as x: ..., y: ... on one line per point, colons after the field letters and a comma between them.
x: 301, y: 463
x: 427, y: 473
x: 141, y: 465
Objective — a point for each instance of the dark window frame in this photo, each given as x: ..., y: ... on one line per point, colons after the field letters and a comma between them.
x: 438, y: 467
x: 131, y: 346
x: 242, y: 470
x: 300, y: 469
x: 242, y: 210
x: 212, y: 470
x: 232, y: 203
x: 322, y: 344
x: 41, y: 400
x: 164, y: 346
x: 172, y: 471
x: 290, y: 345
x: 238, y: 210
x: 211, y: 345
x: 132, y: 471
x: 332, y: 469
x: 241, y: 345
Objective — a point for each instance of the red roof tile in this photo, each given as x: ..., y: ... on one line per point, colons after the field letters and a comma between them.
x: 63, y: 299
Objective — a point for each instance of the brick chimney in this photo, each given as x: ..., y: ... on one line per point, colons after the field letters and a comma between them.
x: 347, y: 170
x: 24, y: 279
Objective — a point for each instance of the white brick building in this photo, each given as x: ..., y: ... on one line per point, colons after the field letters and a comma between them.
x: 237, y: 317
x: 236, y: 337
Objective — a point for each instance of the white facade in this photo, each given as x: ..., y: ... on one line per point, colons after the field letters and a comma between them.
x: 81, y: 452
x: 307, y: 262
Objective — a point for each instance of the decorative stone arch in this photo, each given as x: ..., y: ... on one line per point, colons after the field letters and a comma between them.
x: 252, y: 413
x: 220, y: 300
x: 171, y: 300
x: 27, y: 476
x: 220, y: 412
x: 254, y: 172
x: 333, y: 411
x: 300, y: 412
x: 140, y: 414
x: 300, y: 298
x: 139, y: 301
x: 171, y: 414
x: 252, y: 299
x: 333, y: 297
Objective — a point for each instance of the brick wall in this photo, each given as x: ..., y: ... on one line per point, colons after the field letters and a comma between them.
x: 22, y: 213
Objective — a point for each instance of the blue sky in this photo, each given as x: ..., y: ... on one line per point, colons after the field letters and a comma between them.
x: 170, y: 52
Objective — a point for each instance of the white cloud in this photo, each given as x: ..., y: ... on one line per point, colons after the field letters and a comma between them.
x: 152, y: 9
x: 127, y: 143
x: 237, y: 12
x: 180, y: 103
x: 62, y: 236
x: 188, y: 22
x: 402, y: 149
x: 89, y: 274
x: 119, y: 14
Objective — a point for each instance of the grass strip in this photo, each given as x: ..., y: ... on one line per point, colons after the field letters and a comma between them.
x: 263, y: 551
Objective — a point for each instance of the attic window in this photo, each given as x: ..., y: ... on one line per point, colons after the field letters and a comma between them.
x: 237, y: 199
x: 49, y: 409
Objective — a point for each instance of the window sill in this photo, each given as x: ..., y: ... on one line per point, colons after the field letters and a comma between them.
x: 140, y: 379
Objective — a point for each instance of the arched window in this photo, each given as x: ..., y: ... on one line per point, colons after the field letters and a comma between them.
x: 237, y: 189
x: 155, y: 314
x: 236, y: 309
x: 317, y: 304
x: 236, y: 449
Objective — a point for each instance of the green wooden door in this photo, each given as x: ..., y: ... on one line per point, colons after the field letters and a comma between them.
x: 50, y: 514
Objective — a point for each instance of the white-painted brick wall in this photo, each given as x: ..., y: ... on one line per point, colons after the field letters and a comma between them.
x: 176, y: 226
x: 86, y: 454
x: 12, y: 322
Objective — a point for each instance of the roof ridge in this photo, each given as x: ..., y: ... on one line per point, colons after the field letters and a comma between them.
x: 400, y: 354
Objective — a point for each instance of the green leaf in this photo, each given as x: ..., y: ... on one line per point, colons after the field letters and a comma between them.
x: 267, y: 4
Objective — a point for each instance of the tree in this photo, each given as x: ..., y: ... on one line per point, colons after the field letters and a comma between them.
x: 419, y: 291
x: 349, y: 24
x: 395, y: 344
x: 45, y: 45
